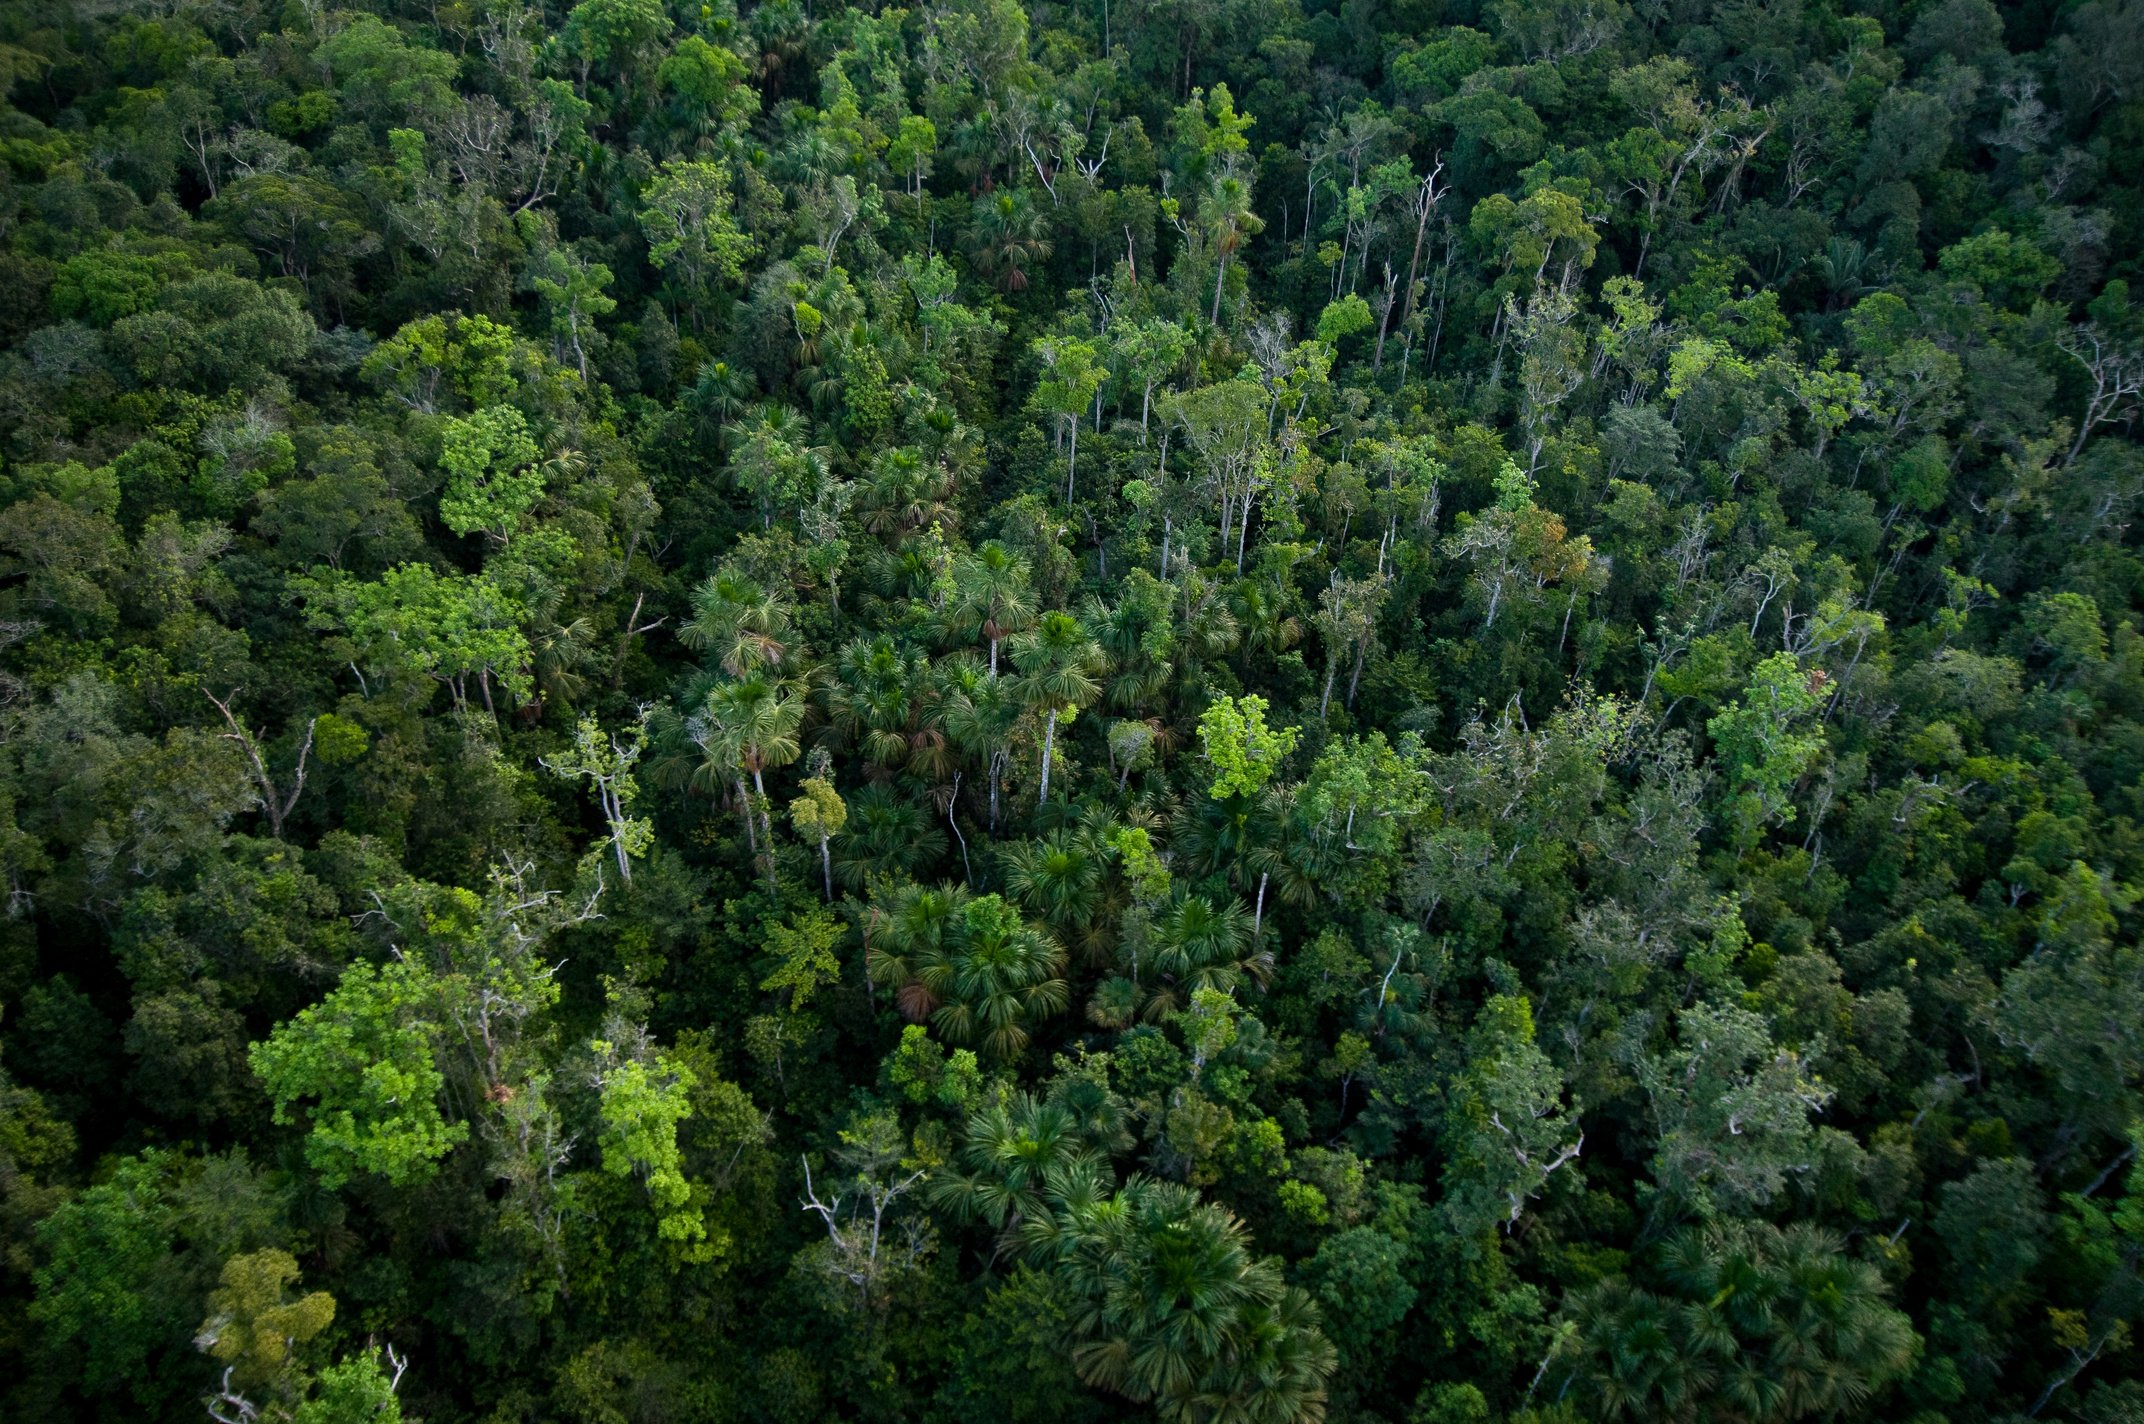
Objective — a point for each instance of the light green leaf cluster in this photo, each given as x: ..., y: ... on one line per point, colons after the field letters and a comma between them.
x: 1243, y: 751
x: 492, y: 482
x: 363, y: 1056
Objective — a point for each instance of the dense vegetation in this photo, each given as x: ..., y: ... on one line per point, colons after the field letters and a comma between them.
x: 1231, y: 710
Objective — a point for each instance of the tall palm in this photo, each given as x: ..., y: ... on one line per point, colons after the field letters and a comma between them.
x: 1173, y: 1308
x: 772, y: 458
x: 1137, y: 635
x: 1193, y: 944
x: 1231, y: 224
x: 980, y: 714
x: 991, y: 596
x: 1064, y: 878
x: 904, y: 495
x: 899, y: 930
x: 749, y: 726
x: 1012, y: 1155
x: 1008, y: 235
x: 1750, y: 1322
x: 720, y: 763
x: 994, y: 975
x: 1818, y: 1334
x: 887, y: 834
x: 1255, y: 842
x: 1639, y: 1362
x: 745, y: 626
x: 881, y: 699
x: 1058, y: 665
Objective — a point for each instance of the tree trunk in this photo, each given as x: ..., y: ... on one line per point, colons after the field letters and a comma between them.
x: 751, y: 822
x: 1049, y: 743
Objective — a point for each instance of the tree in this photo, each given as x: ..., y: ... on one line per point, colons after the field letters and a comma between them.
x: 254, y: 1330
x: 914, y: 145
x: 606, y: 763
x: 2070, y: 1005
x: 1363, y: 792
x: 772, y: 460
x: 863, y: 1210
x: 1072, y: 377
x: 363, y: 1056
x: 642, y: 1098
x: 1516, y: 548
x: 818, y: 815
x: 1226, y: 425
x: 1243, y: 752
x: 104, y: 1250
x: 1506, y: 1129
x: 685, y: 212
x: 1762, y: 748
x: 1147, y: 352
x: 574, y: 293
x: 444, y: 626
x: 1733, y: 1112
x: 1057, y: 662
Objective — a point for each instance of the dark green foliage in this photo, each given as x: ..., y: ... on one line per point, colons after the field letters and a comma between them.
x: 1236, y: 712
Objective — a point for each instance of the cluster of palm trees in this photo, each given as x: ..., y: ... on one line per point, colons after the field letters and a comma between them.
x: 899, y: 712
x: 1167, y: 1301
x: 971, y: 964
x: 1743, y: 1322
x: 983, y: 974
x: 990, y: 709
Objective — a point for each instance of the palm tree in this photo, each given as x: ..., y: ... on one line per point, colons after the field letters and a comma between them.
x: 745, y: 626
x: 901, y: 928
x: 1751, y: 1323
x: 980, y: 713
x: 991, y: 596
x: 1008, y: 235
x: 772, y: 459
x: 1137, y: 637
x: 1173, y: 1308
x: 1058, y: 663
x: 887, y: 835
x: 884, y: 702
x: 1256, y: 843
x: 993, y: 974
x: 1064, y: 878
x: 1192, y: 944
x: 1818, y: 1335
x: 1013, y: 1155
x: 1231, y: 224
x: 749, y: 726
x: 719, y: 765
x: 1639, y: 1360
x: 906, y: 494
